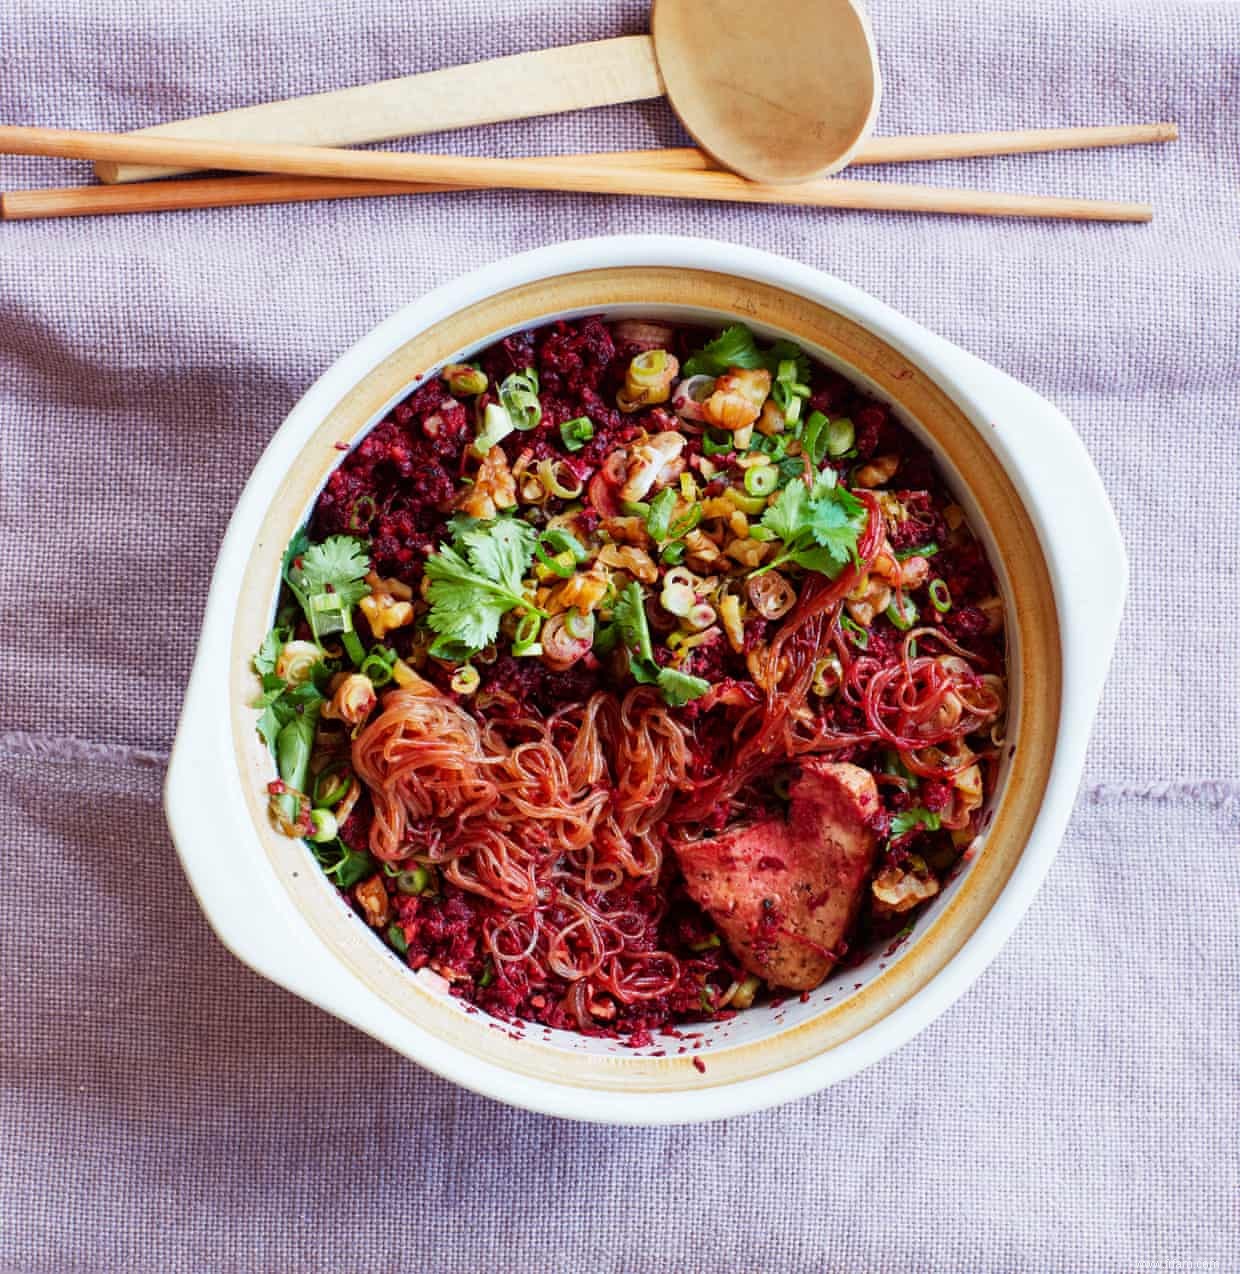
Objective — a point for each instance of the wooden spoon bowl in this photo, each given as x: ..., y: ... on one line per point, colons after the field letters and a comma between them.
x: 782, y: 91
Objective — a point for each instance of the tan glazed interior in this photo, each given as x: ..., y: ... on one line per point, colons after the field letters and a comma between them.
x: 1036, y: 674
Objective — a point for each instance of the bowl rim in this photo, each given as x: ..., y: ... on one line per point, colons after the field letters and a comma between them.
x: 946, y: 366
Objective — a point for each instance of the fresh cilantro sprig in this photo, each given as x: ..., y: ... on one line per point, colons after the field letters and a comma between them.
x: 476, y: 580
x: 629, y: 614
x: 820, y: 526
x: 328, y: 580
x: 736, y: 346
x: 910, y: 820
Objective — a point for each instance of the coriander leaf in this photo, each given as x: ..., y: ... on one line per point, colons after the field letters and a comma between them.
x: 269, y: 651
x: 339, y: 565
x: 475, y: 582
x: 629, y: 613
x: 820, y: 528
x: 785, y: 516
x: 500, y: 551
x: 342, y: 864
x: 909, y: 820
x: 269, y: 727
x: 733, y: 347
x: 678, y: 688
x: 836, y: 520
x: 327, y: 579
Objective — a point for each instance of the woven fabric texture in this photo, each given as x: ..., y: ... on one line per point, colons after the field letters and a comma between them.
x: 164, y: 1109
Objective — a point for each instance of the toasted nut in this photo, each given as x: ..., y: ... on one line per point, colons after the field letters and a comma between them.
x: 992, y: 608
x: 738, y: 397
x: 772, y: 419
x: 881, y: 469
x: 374, y: 901
x: 625, y: 557
x: 494, y: 487
x: 899, y: 890
x: 582, y: 591
x: 748, y: 553
x: 869, y: 596
x: 701, y: 552
x: 628, y: 531
x: 656, y: 461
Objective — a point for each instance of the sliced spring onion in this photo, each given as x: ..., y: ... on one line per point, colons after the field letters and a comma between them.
x: 396, y: 936
x: 464, y: 379
x: 577, y: 432
x: 748, y: 504
x: 496, y: 426
x: 415, y: 880
x: 647, y: 369
x: 378, y: 665
x: 331, y: 785
x: 926, y: 550
x: 323, y: 826
x: 635, y: 508
x: 775, y: 445
x: 525, y: 640
x: 674, y: 553
x: 707, y: 944
x: 761, y: 533
x: 560, y: 542
x: 552, y: 475
x: 487, y: 976
x: 761, y: 479
x: 860, y: 638
x: 465, y: 679
x: 676, y: 599
x: 815, y: 440
x: 519, y: 396
x: 841, y: 435
x: 743, y: 996
x: 362, y: 513
x: 940, y: 596
x: 684, y: 524
x: 903, y: 617
x: 711, y: 447
x: 701, y: 615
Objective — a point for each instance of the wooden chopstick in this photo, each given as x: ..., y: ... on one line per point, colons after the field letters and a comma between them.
x: 669, y: 174
x: 227, y: 192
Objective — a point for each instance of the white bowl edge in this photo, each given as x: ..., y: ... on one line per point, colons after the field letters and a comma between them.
x: 227, y: 868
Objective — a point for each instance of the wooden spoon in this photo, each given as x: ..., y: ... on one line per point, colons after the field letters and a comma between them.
x: 778, y: 91
x: 781, y: 91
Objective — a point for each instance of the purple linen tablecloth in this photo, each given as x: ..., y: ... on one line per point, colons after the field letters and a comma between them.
x: 166, y: 1110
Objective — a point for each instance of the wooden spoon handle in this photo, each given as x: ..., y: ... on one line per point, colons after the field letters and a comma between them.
x: 569, y: 78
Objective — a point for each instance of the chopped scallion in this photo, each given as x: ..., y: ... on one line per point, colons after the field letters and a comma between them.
x: 903, y: 617
x: 577, y: 432
x: 761, y: 479
x: 841, y: 435
x: 940, y: 596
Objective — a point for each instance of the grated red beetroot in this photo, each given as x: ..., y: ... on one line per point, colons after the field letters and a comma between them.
x: 397, y: 488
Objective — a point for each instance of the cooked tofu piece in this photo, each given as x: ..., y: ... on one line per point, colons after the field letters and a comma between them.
x: 784, y: 893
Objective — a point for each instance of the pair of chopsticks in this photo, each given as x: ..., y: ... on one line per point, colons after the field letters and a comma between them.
x: 319, y: 172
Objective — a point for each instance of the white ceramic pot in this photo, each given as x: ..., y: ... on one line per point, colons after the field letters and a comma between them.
x: 1030, y: 490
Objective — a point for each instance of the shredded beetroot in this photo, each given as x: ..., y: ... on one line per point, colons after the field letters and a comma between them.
x: 397, y: 489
